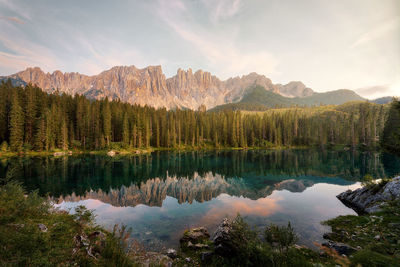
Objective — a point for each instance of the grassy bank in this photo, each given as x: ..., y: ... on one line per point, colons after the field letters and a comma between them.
x: 375, y: 236
x: 32, y: 233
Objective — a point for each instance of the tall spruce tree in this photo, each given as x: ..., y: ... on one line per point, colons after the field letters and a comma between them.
x: 16, y: 124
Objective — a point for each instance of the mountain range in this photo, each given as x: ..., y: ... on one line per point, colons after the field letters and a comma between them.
x: 149, y: 86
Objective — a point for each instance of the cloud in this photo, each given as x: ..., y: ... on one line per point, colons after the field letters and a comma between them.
x: 373, y: 92
x: 12, y: 19
x: 230, y: 206
x: 222, y: 9
x: 25, y: 54
x: 377, y: 32
x: 220, y: 52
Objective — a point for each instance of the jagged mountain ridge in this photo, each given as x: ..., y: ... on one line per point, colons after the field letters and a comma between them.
x: 149, y: 86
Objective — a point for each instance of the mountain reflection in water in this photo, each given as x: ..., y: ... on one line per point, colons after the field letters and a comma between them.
x: 162, y: 194
x: 200, y: 188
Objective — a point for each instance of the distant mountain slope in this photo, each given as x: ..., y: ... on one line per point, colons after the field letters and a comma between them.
x: 149, y: 86
x: 257, y: 98
x: 336, y: 97
x: 383, y: 100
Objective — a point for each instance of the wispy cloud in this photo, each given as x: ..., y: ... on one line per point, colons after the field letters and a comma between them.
x: 12, y: 19
x: 220, y: 51
x: 222, y: 9
x: 24, y: 53
x: 387, y: 27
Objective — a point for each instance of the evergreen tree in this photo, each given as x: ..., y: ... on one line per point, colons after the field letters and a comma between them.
x: 125, y: 130
x: 16, y: 124
x: 391, y: 132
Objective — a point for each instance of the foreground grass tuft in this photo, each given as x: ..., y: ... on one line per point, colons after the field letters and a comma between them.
x: 32, y: 233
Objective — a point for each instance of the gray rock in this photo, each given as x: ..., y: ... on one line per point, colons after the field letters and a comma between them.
x: 207, y: 255
x: 194, y: 236
x: 340, y: 248
x: 371, y: 199
x: 172, y: 253
x: 222, y: 239
x: 201, y: 246
x: 42, y: 227
x: 97, y: 234
x: 111, y: 153
x: 394, y: 225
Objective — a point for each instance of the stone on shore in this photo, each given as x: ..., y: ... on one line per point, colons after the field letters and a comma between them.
x: 370, y: 199
x: 194, y: 236
x: 222, y: 239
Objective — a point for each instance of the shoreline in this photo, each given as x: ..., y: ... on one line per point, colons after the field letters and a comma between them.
x: 144, y: 151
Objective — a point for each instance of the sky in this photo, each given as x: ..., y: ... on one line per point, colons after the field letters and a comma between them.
x: 328, y: 45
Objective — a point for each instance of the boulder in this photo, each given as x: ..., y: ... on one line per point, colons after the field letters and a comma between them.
x: 195, y: 236
x: 111, y: 153
x: 222, y: 239
x: 206, y: 256
x: 340, y: 248
x: 370, y: 199
x: 172, y: 253
x: 59, y: 154
x: 42, y: 227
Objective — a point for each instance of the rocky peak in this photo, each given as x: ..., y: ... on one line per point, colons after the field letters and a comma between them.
x: 294, y: 89
x: 149, y: 86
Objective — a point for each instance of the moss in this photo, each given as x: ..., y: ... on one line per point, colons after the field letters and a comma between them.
x: 378, y: 232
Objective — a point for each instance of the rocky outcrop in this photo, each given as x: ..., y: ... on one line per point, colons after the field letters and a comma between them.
x: 294, y: 89
x: 222, y: 239
x: 195, y: 236
x: 149, y: 86
x: 340, y: 248
x: 372, y: 198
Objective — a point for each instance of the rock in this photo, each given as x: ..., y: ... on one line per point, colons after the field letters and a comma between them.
x: 97, y: 234
x: 222, y: 239
x: 16, y: 225
x: 111, y: 153
x: 329, y: 236
x: 42, y: 227
x: 371, y: 199
x: 172, y: 253
x: 149, y: 86
x: 58, y: 154
x: 377, y: 237
x: 194, y: 236
x: 340, y: 248
x: 394, y: 225
x: 81, y: 241
x: 188, y: 259
x: 206, y: 255
x: 201, y: 246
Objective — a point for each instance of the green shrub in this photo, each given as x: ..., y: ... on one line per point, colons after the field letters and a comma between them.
x: 372, y: 259
x: 23, y: 243
x: 4, y: 147
x: 283, y: 236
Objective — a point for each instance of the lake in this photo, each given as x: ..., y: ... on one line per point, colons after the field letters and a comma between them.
x: 161, y: 194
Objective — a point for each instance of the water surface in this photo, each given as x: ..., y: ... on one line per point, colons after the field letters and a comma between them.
x: 162, y: 194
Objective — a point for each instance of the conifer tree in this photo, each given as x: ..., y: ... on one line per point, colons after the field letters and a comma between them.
x: 16, y: 124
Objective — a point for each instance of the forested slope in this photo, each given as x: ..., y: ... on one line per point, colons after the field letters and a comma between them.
x: 258, y: 98
x: 31, y: 119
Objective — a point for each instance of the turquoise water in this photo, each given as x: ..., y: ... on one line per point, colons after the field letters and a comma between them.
x: 162, y: 194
